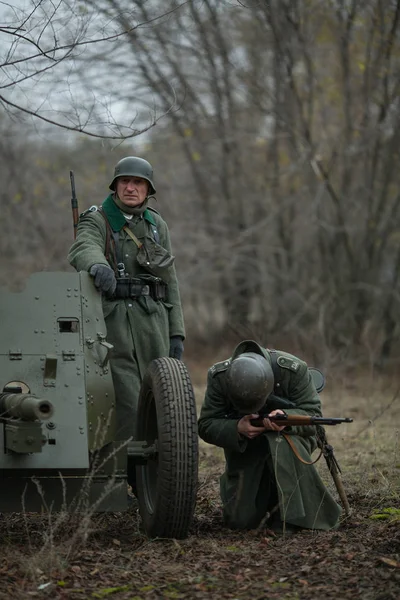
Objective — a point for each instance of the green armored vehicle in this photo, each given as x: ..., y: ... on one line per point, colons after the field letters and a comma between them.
x: 57, y: 414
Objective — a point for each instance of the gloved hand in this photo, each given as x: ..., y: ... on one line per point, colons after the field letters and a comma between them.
x: 176, y: 347
x: 104, y: 278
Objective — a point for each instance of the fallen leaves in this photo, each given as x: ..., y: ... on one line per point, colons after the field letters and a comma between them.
x: 110, y: 590
x: 119, y: 562
x: 389, y: 561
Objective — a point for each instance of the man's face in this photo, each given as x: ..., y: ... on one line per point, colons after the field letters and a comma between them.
x: 132, y: 191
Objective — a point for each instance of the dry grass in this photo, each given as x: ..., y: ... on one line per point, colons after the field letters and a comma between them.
x: 114, y: 557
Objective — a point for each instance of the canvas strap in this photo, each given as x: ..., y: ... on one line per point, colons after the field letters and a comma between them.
x: 111, y: 247
x: 296, y: 452
x: 132, y: 236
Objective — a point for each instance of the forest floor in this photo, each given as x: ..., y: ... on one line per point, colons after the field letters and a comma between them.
x: 112, y: 558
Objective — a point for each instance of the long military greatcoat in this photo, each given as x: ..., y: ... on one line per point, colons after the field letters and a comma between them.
x: 139, y: 330
x: 246, y: 486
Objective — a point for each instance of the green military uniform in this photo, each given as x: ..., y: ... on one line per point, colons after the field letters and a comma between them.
x: 139, y: 329
x: 261, y: 471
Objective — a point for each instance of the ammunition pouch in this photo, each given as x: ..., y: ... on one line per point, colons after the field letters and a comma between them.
x: 134, y: 287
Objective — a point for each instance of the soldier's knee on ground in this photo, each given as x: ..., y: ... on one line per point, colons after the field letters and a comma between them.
x: 240, y: 520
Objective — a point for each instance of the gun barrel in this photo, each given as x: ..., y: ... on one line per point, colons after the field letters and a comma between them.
x: 300, y: 420
x: 25, y: 406
x: 331, y: 421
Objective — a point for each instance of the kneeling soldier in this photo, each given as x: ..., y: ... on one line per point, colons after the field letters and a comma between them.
x: 269, y: 478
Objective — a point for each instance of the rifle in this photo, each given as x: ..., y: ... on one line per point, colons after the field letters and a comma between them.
x: 74, y: 203
x: 326, y: 449
x: 296, y: 420
x: 333, y: 467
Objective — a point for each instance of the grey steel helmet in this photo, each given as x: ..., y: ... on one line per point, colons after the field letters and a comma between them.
x: 133, y: 166
x: 250, y: 381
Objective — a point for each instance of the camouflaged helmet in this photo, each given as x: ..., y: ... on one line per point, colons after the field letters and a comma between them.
x: 250, y: 381
x: 133, y: 166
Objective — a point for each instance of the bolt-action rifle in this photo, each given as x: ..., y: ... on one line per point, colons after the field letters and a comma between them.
x: 299, y: 420
x: 325, y: 447
x: 74, y: 203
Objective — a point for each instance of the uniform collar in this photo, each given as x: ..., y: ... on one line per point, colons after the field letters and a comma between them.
x: 115, y: 216
x: 250, y: 346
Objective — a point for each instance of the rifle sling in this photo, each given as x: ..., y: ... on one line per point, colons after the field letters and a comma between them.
x: 296, y: 452
x: 112, y: 250
x: 132, y: 236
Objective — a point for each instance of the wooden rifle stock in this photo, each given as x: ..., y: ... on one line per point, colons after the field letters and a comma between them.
x: 74, y: 203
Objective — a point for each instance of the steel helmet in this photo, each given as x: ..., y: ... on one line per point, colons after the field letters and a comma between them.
x: 133, y: 166
x: 250, y: 381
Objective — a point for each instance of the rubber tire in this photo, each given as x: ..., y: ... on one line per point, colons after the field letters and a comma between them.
x: 167, y: 484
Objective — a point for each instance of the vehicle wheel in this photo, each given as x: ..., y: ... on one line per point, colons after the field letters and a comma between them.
x: 167, y: 482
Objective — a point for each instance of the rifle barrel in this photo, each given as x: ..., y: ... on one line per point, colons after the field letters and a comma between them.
x: 301, y: 420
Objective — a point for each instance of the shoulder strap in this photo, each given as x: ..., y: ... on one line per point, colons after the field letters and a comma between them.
x: 219, y: 367
x: 132, y: 236
x: 296, y: 452
x: 111, y: 243
x: 276, y: 371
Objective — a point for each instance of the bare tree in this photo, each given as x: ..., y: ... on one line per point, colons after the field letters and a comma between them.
x: 352, y: 155
x: 284, y: 135
x: 276, y: 163
x: 40, y: 47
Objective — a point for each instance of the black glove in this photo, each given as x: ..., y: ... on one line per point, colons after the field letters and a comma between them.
x: 104, y: 278
x: 176, y: 347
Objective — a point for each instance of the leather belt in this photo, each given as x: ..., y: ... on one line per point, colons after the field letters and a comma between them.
x: 133, y: 287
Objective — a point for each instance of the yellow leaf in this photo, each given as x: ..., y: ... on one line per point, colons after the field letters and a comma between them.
x: 389, y: 561
x: 111, y: 590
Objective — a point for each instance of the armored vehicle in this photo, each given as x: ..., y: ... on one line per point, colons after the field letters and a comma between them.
x: 57, y: 414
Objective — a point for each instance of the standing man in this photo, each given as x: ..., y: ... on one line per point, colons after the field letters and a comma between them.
x: 125, y: 245
x: 268, y: 478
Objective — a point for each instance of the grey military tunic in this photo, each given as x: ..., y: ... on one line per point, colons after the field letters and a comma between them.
x: 263, y: 472
x: 139, y: 330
